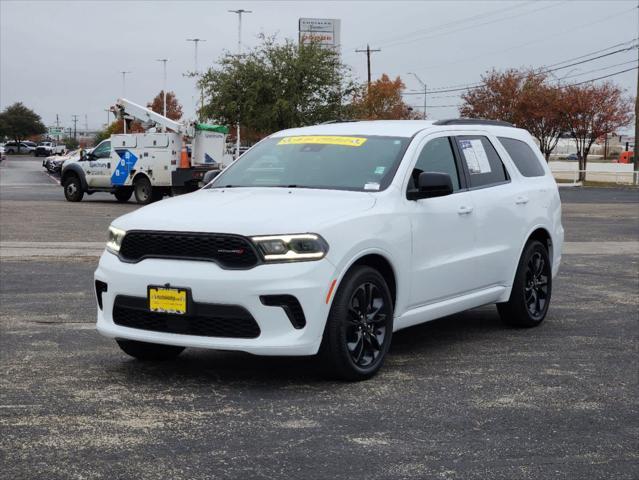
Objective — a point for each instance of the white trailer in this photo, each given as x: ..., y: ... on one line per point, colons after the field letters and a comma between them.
x: 150, y: 165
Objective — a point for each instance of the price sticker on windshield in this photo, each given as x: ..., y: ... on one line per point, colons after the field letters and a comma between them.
x: 323, y: 140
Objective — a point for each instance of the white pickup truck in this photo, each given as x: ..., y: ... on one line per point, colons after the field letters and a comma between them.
x: 46, y: 149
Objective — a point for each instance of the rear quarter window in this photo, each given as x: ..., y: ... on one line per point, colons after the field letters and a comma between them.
x: 524, y: 158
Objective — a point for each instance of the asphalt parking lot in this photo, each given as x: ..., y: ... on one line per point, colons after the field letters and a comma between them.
x: 459, y: 398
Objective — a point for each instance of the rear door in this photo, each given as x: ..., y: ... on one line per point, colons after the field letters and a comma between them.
x: 499, y: 221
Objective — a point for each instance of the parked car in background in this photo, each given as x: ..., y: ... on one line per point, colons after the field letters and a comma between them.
x: 327, y: 239
x: 54, y: 163
x: 45, y: 149
x: 19, y: 147
x: 573, y: 157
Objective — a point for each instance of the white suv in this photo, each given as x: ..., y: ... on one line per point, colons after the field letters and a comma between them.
x: 326, y: 239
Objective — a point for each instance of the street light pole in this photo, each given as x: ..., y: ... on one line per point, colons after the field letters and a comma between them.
x: 196, y: 71
x: 163, y: 60
x: 425, y: 92
x: 239, y: 54
x: 124, y: 74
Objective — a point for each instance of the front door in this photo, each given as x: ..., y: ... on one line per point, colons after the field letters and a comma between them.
x: 442, y: 230
x: 98, y: 171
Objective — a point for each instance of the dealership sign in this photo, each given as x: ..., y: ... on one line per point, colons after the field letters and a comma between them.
x: 325, y: 31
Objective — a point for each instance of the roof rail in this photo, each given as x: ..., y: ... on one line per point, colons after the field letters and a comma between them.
x: 473, y: 121
x: 340, y: 120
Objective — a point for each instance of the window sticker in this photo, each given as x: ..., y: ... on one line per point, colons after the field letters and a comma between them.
x: 475, y: 156
x: 380, y: 170
x: 371, y: 186
x: 323, y: 140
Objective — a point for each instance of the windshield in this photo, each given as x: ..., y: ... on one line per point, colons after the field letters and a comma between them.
x: 362, y: 163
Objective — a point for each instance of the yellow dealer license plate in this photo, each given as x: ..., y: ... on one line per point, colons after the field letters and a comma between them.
x: 167, y: 300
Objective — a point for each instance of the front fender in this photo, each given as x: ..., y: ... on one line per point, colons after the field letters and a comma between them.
x: 76, y: 169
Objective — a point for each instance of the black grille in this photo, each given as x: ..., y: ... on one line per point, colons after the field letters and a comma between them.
x: 228, y: 251
x: 203, y: 319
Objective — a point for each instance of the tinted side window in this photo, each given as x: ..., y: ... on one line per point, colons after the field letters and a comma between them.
x: 484, y: 165
x: 523, y: 157
x: 103, y: 150
x: 436, y: 156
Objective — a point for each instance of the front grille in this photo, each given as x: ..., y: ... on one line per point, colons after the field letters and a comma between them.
x: 228, y: 251
x: 203, y: 319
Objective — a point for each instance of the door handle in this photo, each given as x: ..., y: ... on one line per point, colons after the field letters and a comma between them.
x: 521, y: 200
x: 464, y: 210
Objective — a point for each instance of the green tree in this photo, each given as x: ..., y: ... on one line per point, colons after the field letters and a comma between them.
x: 19, y: 122
x: 277, y: 86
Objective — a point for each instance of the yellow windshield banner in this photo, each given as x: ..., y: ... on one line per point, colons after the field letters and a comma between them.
x: 323, y: 140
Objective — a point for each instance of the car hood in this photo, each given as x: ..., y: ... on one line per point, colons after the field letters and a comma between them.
x: 249, y: 211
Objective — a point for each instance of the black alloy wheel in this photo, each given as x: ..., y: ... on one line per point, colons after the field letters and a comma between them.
x: 366, y: 324
x: 536, y: 286
x: 531, y: 290
x: 359, y: 326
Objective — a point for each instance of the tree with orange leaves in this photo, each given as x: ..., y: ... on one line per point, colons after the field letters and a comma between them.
x: 382, y: 100
x: 173, y: 107
x: 592, y: 111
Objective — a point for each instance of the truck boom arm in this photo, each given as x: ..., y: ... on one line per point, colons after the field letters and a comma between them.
x: 126, y: 107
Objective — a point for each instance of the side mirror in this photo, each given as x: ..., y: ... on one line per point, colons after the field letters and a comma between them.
x: 83, y: 155
x: 209, y: 176
x: 431, y: 184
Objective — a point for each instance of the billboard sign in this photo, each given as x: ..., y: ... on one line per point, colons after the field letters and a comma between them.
x: 325, y: 31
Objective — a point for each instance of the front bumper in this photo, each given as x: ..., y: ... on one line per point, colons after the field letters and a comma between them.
x: 309, y: 282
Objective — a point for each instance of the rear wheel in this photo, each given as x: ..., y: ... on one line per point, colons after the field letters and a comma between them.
x: 359, y: 326
x: 143, y: 191
x: 73, y: 189
x: 149, y: 351
x: 122, y: 194
x: 532, y: 288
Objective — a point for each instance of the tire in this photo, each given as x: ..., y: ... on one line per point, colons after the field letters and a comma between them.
x: 532, y: 289
x: 73, y: 189
x: 143, y: 191
x: 122, y: 194
x: 149, y: 351
x: 354, y: 345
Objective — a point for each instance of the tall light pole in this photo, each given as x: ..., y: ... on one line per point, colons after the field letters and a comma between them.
x: 108, y: 111
x: 239, y: 54
x: 196, y: 72
x: 124, y: 74
x: 163, y: 60
x: 425, y: 91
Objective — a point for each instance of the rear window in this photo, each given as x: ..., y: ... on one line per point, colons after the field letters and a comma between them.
x: 523, y: 157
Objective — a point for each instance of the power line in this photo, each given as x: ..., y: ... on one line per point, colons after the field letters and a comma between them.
x: 543, y: 70
x: 600, y: 69
x: 454, y: 22
x: 600, y: 78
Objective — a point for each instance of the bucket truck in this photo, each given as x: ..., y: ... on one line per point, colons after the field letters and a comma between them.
x: 150, y: 164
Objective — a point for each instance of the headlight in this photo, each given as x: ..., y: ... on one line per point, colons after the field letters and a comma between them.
x: 115, y: 239
x: 290, y: 248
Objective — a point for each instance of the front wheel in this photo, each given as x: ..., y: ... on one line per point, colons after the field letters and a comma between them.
x: 149, y: 351
x: 530, y: 295
x: 73, y: 189
x: 359, y: 326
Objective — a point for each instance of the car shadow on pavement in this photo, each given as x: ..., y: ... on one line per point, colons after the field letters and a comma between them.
x: 213, y: 366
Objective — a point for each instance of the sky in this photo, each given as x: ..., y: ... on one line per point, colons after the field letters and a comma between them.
x: 65, y: 57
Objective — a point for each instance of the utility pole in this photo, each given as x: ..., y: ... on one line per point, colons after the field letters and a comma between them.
x: 57, y: 124
x: 239, y: 55
x: 86, y: 123
x: 106, y: 125
x: 425, y: 92
x: 196, y: 72
x: 75, y: 125
x: 368, y: 52
x: 124, y: 74
x: 164, y: 60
